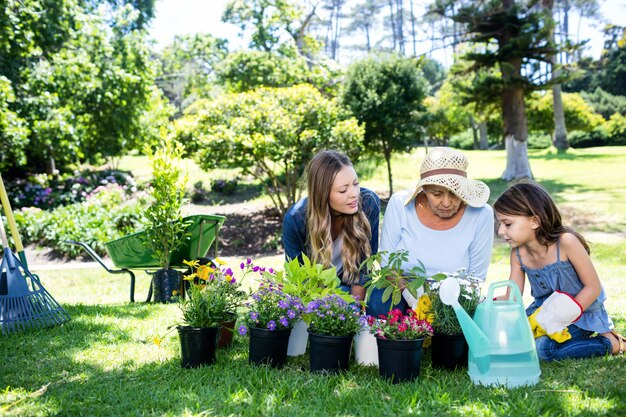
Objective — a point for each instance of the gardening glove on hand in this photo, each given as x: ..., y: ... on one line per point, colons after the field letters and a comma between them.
x: 538, y: 331
x: 408, y: 297
x: 558, y: 311
x: 423, y: 310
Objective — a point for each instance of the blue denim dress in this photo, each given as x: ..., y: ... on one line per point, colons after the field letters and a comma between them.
x: 562, y: 276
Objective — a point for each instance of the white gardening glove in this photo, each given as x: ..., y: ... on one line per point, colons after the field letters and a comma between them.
x: 558, y: 311
x: 408, y: 297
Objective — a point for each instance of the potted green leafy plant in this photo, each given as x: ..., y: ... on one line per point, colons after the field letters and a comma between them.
x: 308, y: 281
x: 449, y: 347
x: 333, y: 324
x: 163, y: 222
x: 386, y: 273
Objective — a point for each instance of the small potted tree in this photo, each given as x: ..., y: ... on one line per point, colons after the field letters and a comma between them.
x: 163, y: 221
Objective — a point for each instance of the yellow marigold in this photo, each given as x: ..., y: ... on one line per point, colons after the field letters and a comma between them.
x: 204, y: 271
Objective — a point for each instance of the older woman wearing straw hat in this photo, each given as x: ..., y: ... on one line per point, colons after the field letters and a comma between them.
x: 445, y: 222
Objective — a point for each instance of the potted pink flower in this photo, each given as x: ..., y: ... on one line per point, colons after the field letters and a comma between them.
x: 399, y: 338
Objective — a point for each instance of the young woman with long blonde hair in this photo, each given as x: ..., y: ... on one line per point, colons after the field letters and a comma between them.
x: 337, y: 223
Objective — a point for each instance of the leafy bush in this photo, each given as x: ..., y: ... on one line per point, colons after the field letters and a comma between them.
x: 605, y: 103
x: 223, y: 186
x: 198, y: 194
x: 47, y: 192
x: 538, y: 141
x: 106, y: 215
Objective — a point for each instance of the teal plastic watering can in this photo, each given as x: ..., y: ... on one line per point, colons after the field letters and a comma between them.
x: 501, y: 344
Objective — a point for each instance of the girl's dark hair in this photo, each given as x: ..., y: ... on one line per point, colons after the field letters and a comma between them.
x: 531, y: 200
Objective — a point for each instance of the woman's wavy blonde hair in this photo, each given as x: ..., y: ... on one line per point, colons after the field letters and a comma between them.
x: 356, y: 230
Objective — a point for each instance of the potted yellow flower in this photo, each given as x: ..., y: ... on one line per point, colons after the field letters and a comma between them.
x: 449, y: 347
x: 212, y: 297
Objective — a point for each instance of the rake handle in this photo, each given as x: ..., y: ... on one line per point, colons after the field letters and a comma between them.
x: 3, y: 235
x: 9, y: 213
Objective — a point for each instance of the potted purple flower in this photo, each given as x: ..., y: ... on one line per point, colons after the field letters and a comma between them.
x: 271, y: 315
x: 333, y: 324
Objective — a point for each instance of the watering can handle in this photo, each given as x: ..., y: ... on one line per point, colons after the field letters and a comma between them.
x: 513, y: 293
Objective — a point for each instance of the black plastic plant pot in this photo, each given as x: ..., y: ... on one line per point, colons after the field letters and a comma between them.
x: 399, y: 360
x: 268, y: 347
x: 164, y: 283
x: 449, y: 351
x: 197, y: 345
x: 329, y: 354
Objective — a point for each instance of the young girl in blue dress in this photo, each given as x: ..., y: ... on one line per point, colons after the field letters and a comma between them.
x: 562, y: 278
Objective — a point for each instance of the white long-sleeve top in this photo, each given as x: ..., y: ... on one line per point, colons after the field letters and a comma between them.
x: 466, y: 245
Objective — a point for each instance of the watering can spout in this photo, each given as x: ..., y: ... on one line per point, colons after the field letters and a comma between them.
x: 478, y: 342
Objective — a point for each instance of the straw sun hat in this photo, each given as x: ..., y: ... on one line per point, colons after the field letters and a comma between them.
x: 447, y: 168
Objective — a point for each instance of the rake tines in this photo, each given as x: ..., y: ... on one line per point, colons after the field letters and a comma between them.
x: 24, y: 302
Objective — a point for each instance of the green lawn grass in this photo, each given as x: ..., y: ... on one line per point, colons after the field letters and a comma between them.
x: 116, y: 358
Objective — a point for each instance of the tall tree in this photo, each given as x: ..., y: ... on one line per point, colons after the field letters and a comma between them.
x: 513, y: 38
x: 386, y: 93
x: 274, y: 22
x: 364, y: 17
x: 559, y: 137
x: 81, y: 88
x: 188, y: 67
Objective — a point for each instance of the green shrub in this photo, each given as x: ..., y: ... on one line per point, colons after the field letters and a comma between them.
x: 464, y: 140
x: 105, y: 216
x: 47, y: 191
x: 223, y: 186
x: 539, y: 141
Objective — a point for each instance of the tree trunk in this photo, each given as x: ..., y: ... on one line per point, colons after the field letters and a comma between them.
x: 513, y: 110
x: 474, y: 134
x: 413, y: 37
x: 392, y: 19
x: 482, y: 129
x: 559, y: 139
x: 515, y: 126
x: 51, y: 168
x: 400, y: 24
x: 387, y: 153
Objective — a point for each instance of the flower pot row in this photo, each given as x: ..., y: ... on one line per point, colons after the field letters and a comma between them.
x: 399, y: 360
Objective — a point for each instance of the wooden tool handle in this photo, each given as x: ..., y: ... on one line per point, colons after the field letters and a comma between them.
x: 9, y: 213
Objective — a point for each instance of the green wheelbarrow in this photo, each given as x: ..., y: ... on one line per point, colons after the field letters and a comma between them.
x: 129, y: 252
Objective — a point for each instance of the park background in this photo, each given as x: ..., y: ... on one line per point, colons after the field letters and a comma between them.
x: 86, y: 92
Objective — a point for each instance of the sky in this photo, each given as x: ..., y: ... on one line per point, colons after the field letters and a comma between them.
x: 181, y: 17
